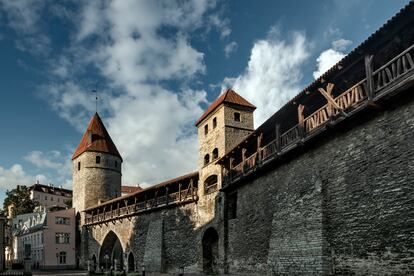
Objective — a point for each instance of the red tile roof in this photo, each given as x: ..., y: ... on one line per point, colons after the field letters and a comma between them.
x: 100, y: 139
x: 130, y: 189
x: 231, y: 97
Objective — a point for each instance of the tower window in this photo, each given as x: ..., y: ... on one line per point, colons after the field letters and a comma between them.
x: 215, y: 153
x: 206, y: 159
x: 205, y: 129
x: 78, y: 166
x: 237, y: 116
x: 116, y: 164
x: 98, y: 159
x: 214, y: 122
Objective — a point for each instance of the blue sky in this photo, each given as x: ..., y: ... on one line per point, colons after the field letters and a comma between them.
x: 157, y: 65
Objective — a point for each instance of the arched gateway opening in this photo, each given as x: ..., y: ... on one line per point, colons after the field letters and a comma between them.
x: 210, y: 251
x: 131, y: 262
x: 111, y: 252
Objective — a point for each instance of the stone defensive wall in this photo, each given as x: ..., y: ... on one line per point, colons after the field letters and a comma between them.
x: 323, y: 187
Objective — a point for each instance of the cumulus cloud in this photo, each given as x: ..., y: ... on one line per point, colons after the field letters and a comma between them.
x: 23, y: 17
x: 15, y: 175
x: 230, y: 48
x: 273, y: 73
x: 56, y: 162
x: 331, y: 56
x: 151, y: 124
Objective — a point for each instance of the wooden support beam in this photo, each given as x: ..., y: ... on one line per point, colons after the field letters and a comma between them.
x: 179, y: 191
x: 192, y: 188
x: 278, y: 146
x: 243, y: 158
x: 166, y: 194
x: 370, y: 80
x: 328, y: 96
x: 126, y: 205
x: 301, y: 120
x: 259, y: 146
x: 231, y: 163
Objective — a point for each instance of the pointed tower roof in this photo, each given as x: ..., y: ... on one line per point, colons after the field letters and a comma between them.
x: 96, y: 138
x: 230, y: 97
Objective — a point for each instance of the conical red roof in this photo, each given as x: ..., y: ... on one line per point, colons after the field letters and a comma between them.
x: 96, y: 138
x: 231, y: 97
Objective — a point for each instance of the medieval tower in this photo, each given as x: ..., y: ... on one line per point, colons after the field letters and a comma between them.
x: 96, y: 168
x: 224, y: 124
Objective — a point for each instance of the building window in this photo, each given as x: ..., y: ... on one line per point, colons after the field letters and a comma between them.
x: 62, y: 238
x: 237, y: 116
x: 62, y: 257
x: 214, y: 122
x: 62, y: 220
x: 98, y: 159
x: 45, y: 197
x: 78, y: 166
x: 215, y: 153
x: 206, y: 159
x: 51, y: 198
x: 205, y: 129
x: 58, y: 199
x: 116, y: 164
x: 232, y: 205
x: 210, y: 184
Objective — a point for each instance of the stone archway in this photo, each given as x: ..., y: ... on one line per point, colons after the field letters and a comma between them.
x: 131, y: 262
x: 111, y: 253
x: 210, y: 251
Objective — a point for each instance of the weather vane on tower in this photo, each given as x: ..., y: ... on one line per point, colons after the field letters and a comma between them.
x: 96, y: 97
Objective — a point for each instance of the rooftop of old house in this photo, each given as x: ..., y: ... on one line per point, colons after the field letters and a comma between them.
x: 229, y: 97
x: 96, y: 138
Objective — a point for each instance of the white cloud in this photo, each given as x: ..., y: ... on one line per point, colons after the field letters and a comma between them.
x: 24, y: 16
x: 15, y: 175
x: 151, y: 125
x: 273, y: 73
x: 230, y: 48
x: 331, y: 56
x: 341, y: 44
x: 57, y: 164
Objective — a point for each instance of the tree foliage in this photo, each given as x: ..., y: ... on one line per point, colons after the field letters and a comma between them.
x: 19, y: 198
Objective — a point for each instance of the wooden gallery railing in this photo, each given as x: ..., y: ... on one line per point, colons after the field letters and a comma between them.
x: 96, y: 215
x: 377, y: 84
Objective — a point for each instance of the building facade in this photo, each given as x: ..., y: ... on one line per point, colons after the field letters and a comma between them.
x: 50, y: 237
x: 50, y: 195
x: 323, y: 187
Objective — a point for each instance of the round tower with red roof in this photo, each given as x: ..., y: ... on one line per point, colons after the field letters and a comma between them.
x: 96, y: 168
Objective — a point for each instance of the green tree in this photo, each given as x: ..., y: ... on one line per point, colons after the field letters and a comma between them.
x: 19, y: 198
x: 68, y: 202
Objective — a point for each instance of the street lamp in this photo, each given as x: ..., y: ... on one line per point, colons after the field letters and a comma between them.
x: 143, y: 270
x: 106, y: 257
x: 181, y: 271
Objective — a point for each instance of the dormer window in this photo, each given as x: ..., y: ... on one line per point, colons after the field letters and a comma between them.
x: 98, y: 159
x: 205, y: 129
x: 237, y: 116
x: 214, y: 122
x: 206, y: 159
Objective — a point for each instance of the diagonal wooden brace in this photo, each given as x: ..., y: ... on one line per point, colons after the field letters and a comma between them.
x: 328, y: 95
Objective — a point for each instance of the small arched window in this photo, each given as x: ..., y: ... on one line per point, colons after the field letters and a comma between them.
x: 215, y: 153
x: 98, y: 159
x: 237, y: 116
x: 210, y: 184
x: 206, y: 159
x: 205, y: 129
x: 214, y: 122
x: 79, y: 166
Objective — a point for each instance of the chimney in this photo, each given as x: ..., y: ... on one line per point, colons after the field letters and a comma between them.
x: 37, y: 181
